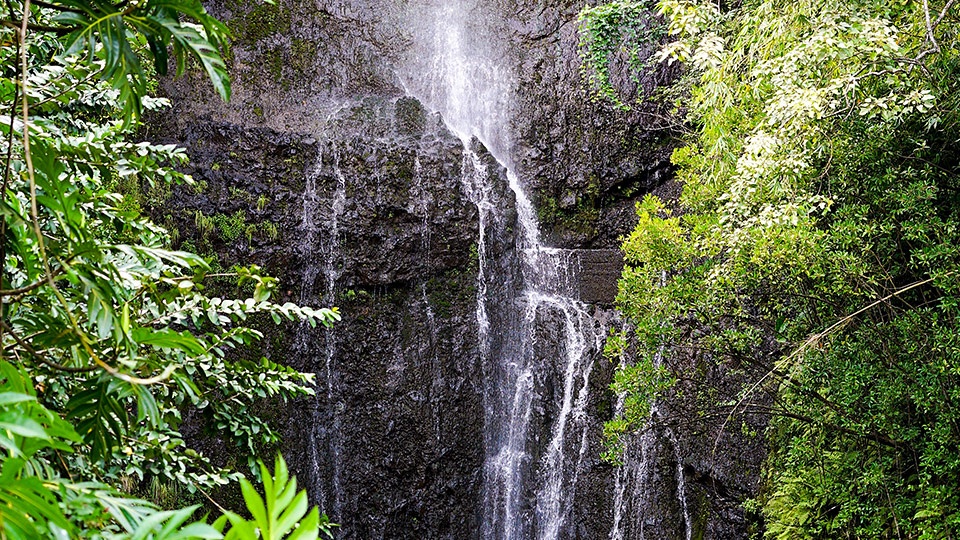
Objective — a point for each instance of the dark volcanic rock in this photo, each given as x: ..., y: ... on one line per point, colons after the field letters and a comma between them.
x: 352, y: 192
x: 370, y: 216
x: 586, y: 160
x: 599, y: 271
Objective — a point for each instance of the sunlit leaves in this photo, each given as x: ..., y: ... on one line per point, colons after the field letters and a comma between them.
x: 817, y: 238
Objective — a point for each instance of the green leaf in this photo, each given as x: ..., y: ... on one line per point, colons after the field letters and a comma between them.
x: 25, y: 427
x: 255, y: 504
x: 293, y: 511
x: 187, y: 38
x: 309, y: 528
x: 169, y: 339
x: 24, y: 500
x: 100, y: 417
x: 11, y: 398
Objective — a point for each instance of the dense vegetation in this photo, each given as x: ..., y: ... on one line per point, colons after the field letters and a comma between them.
x: 817, y: 240
x: 106, y: 335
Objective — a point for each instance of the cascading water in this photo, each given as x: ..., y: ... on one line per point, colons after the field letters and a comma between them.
x: 620, y: 482
x: 644, y: 485
x: 529, y: 486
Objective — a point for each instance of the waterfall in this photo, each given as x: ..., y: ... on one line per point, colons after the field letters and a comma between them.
x: 553, y: 498
x: 650, y: 491
x: 529, y: 487
x: 681, y: 486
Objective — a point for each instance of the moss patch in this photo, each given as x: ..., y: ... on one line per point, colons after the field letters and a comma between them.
x: 260, y: 22
x: 303, y: 53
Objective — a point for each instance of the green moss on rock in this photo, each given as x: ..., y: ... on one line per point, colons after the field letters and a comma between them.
x: 260, y: 22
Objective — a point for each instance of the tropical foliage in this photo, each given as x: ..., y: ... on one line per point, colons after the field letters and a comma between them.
x: 107, y: 336
x: 817, y: 238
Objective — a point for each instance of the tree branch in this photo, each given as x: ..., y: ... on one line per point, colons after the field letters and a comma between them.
x: 28, y: 288
x: 61, y: 30
x: 39, y: 357
x: 876, y: 437
x: 932, y: 26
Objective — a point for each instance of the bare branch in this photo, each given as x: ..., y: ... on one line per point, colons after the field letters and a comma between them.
x: 36, y: 27
x: 931, y: 27
x: 28, y: 288
x: 943, y: 13
x: 930, y: 36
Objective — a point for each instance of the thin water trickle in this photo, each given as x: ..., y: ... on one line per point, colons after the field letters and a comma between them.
x: 310, y: 273
x: 681, y: 485
x: 479, y: 194
x: 620, y: 483
x: 332, y: 272
x: 551, y: 497
x: 320, y: 226
x: 641, y: 467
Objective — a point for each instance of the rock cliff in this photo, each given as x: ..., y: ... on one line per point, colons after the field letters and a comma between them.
x: 330, y: 169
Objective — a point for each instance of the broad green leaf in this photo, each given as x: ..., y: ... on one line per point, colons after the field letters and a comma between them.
x: 255, y: 504
x: 10, y: 398
x: 169, y: 339
x: 309, y: 528
x: 20, y: 425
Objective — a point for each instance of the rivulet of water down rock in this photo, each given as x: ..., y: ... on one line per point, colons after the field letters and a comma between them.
x: 320, y: 225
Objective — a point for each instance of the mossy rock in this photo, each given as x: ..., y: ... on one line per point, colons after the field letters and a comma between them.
x: 261, y: 22
x: 411, y: 116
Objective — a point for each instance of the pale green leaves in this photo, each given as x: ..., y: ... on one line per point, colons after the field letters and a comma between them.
x: 192, y: 38
x: 818, y: 224
x: 658, y: 240
x: 693, y: 22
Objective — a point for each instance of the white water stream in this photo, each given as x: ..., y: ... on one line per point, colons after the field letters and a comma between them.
x: 529, y: 487
x: 637, y: 474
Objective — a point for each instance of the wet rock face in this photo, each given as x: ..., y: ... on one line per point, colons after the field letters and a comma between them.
x: 370, y: 216
x: 352, y: 192
x: 586, y: 161
x: 687, y: 475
